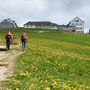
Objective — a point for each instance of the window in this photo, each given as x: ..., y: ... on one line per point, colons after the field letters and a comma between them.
x: 80, y: 28
x: 77, y: 28
x: 27, y: 26
x: 76, y: 23
x: 80, y: 23
x: 76, y: 20
x: 31, y: 26
x: 41, y: 24
x: 72, y: 24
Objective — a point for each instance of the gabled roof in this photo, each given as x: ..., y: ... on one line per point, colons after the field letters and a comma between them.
x: 75, y: 18
x: 5, y: 22
x: 8, y: 19
x: 39, y: 23
x: 8, y: 22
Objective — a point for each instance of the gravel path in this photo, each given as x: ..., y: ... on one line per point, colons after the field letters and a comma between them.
x: 7, y: 62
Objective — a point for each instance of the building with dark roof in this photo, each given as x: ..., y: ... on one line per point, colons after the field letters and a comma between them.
x: 8, y: 23
x: 74, y: 25
x: 41, y: 24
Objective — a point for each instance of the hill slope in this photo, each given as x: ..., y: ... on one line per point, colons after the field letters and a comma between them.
x: 53, y: 61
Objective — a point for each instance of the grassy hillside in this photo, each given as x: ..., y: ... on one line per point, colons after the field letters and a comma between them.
x: 52, y: 61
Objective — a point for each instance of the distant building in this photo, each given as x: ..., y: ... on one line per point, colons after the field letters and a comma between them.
x: 89, y: 31
x: 41, y: 25
x: 78, y: 23
x: 8, y: 23
x: 66, y: 27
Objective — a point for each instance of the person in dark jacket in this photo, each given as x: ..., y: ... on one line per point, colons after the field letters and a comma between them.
x: 9, y: 38
x: 24, y: 40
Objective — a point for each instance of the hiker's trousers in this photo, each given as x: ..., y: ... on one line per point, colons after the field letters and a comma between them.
x: 23, y: 44
x: 8, y: 44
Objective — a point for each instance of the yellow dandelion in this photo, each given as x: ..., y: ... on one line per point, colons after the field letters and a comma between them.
x: 47, y: 88
x: 17, y: 88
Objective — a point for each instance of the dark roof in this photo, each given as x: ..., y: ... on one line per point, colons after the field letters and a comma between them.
x: 7, y: 23
x: 39, y: 23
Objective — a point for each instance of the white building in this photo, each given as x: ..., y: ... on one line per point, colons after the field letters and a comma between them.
x: 41, y: 25
x: 78, y: 23
x: 8, y: 23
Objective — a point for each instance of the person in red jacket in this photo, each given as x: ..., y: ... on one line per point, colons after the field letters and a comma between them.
x: 24, y: 40
x: 9, y: 38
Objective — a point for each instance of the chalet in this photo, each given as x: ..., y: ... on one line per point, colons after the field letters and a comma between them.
x: 8, y: 23
x: 41, y: 25
x: 78, y: 23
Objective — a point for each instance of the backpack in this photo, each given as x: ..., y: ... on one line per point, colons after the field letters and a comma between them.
x: 24, y: 37
x: 8, y: 37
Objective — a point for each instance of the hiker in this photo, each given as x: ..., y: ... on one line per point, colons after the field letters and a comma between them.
x: 24, y: 40
x: 9, y: 38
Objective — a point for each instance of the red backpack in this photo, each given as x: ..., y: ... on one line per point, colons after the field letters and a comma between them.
x: 24, y: 37
x: 8, y: 37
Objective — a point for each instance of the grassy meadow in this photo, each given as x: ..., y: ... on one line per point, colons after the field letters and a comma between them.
x: 52, y: 61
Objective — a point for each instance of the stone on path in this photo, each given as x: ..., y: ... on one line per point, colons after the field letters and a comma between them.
x: 3, y: 63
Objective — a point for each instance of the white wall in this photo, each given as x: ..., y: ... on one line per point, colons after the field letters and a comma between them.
x: 86, y: 31
x: 77, y: 24
x: 42, y: 27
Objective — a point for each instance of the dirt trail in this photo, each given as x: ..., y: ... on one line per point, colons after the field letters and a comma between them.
x: 7, y: 62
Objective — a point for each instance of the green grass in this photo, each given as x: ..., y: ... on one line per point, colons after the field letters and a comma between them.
x: 52, y: 60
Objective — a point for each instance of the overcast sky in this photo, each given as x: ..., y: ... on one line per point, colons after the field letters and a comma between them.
x: 58, y: 11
